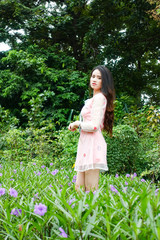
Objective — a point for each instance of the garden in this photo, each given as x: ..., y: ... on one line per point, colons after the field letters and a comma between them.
x: 44, y: 81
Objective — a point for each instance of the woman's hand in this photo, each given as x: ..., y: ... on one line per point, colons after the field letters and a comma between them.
x: 73, y: 126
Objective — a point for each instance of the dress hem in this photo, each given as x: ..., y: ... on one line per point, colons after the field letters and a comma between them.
x: 83, y: 170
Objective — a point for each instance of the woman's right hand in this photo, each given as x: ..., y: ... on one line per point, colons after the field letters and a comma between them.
x: 73, y: 126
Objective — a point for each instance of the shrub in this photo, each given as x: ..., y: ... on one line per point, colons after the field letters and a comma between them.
x: 66, y: 148
x: 7, y: 120
x: 146, y: 122
x: 124, y: 151
x: 28, y: 145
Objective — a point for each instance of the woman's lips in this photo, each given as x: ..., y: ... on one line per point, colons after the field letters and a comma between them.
x: 93, y: 84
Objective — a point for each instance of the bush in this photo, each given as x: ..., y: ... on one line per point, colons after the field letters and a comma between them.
x: 28, y: 145
x: 7, y: 120
x: 124, y: 153
x: 66, y: 148
x: 146, y: 122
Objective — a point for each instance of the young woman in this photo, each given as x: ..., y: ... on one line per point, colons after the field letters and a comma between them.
x: 97, y: 114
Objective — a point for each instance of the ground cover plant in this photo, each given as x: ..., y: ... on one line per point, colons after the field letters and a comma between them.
x: 39, y: 202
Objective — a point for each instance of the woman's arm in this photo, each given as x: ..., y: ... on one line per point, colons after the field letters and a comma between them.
x: 99, y: 103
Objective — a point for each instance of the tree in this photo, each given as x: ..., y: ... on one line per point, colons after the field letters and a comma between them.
x: 60, y: 41
x: 155, y: 13
x: 30, y: 88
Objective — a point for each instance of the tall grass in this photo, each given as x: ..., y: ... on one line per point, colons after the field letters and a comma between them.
x: 39, y: 202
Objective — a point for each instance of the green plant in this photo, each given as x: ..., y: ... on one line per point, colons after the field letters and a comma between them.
x: 124, y: 150
x: 66, y: 148
x: 7, y: 120
x: 148, y: 117
x: 29, y: 144
x: 118, y: 210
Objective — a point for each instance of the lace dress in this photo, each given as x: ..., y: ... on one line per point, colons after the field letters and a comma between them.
x: 92, y: 148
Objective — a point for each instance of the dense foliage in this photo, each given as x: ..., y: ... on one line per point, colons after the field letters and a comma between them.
x: 54, y: 44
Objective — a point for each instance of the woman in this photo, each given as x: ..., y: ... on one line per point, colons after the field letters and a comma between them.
x: 97, y: 114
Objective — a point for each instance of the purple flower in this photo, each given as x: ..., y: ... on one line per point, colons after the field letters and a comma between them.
x: 67, y: 176
x: 61, y: 168
x: 40, y: 209
x: 34, y: 163
x: 1, y: 174
x: 143, y: 180
x: 94, y: 192
x: 14, y: 170
x: 13, y: 192
x: 63, y: 234
x: 16, y: 212
x: 126, y: 183
x: 0, y: 166
x: 74, y: 178
x: 22, y: 169
x: 125, y: 189
x: 117, y: 175
x: 54, y: 172
x: 21, y: 162
x: 113, y: 189
x: 12, y: 179
x: 2, y: 191
x: 127, y: 175
x: 87, y: 192
x: 156, y: 191
x: 42, y: 166
x: 135, y: 175
x: 39, y: 173
x: 50, y: 185
x: 51, y: 164
x: 86, y: 205
x: 71, y: 201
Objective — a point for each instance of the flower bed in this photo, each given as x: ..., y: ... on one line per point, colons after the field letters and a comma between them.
x: 39, y: 202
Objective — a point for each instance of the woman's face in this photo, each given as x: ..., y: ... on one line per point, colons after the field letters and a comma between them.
x: 96, y: 81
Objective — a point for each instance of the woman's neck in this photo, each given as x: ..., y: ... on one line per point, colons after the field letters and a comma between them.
x: 96, y: 92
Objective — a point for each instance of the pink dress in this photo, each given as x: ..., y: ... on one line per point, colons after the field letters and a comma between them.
x: 92, y: 148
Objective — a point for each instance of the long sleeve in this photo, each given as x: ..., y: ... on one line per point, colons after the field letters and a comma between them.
x: 97, y: 114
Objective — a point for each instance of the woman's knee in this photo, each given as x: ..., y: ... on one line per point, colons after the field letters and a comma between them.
x: 78, y: 187
x: 91, y: 180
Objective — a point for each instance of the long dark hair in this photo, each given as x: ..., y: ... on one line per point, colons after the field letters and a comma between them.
x: 108, y: 91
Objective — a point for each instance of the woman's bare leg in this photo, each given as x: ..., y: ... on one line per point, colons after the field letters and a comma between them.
x: 80, y: 181
x: 91, y: 179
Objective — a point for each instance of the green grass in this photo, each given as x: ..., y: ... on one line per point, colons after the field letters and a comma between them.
x: 122, y: 208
